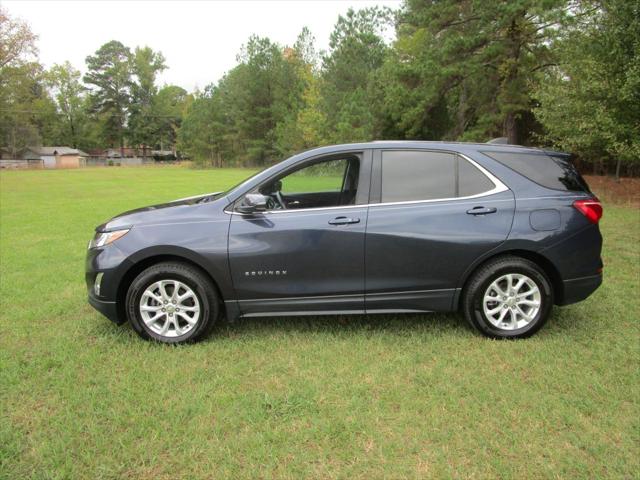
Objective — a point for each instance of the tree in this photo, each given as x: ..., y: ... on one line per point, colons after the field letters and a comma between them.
x: 169, y: 106
x: 27, y: 114
x: 465, y: 69
x: 590, y: 103
x: 109, y: 72
x: 259, y: 98
x: 205, y: 131
x: 17, y: 41
x: 303, y: 123
x: 357, y: 51
x: 144, y: 123
x: 69, y: 95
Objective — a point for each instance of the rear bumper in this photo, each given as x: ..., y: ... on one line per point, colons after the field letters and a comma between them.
x: 577, y: 289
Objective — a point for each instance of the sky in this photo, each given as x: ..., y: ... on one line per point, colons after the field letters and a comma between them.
x: 199, y: 39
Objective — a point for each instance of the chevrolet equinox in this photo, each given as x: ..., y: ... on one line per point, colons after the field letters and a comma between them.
x: 500, y: 233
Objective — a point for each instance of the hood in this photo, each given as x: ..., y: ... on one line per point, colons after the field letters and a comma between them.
x: 160, y: 213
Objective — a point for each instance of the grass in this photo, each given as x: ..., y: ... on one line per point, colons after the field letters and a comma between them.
x: 361, y: 397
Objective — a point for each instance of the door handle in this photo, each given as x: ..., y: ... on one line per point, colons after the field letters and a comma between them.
x: 481, y: 210
x: 343, y: 221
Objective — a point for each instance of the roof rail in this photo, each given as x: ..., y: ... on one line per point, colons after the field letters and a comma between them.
x: 499, y: 141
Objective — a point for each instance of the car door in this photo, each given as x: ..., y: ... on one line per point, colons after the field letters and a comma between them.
x: 432, y: 214
x: 309, y: 256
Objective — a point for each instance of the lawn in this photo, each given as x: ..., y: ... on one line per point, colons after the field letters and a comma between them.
x: 351, y: 397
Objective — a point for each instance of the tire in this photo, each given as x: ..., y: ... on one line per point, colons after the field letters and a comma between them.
x: 509, y: 315
x: 184, y: 316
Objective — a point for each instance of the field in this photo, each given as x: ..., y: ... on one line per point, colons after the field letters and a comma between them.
x: 351, y: 397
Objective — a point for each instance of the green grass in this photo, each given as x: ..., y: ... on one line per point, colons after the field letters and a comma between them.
x: 383, y: 396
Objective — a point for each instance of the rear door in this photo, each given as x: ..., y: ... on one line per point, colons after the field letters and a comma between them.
x: 432, y: 214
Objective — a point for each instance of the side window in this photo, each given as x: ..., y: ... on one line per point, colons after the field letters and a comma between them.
x: 414, y: 175
x: 423, y: 175
x: 326, y: 183
x: 551, y: 172
x: 320, y: 177
x: 471, y: 181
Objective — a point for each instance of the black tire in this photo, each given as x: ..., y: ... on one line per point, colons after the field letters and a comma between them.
x: 472, y: 300
x: 190, y: 276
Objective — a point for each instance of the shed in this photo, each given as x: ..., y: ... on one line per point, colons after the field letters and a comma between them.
x: 57, y: 157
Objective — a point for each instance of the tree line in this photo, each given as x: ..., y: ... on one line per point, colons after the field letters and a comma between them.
x: 554, y: 73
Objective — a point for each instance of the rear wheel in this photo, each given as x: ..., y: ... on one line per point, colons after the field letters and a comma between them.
x: 172, y: 303
x: 509, y: 297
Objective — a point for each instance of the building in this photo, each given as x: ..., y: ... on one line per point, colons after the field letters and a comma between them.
x: 125, y: 152
x: 56, y: 157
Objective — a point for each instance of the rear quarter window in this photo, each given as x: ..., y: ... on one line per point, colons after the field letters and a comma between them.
x: 549, y: 171
x: 471, y: 181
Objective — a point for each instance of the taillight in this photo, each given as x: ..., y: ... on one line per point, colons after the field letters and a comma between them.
x: 592, y: 209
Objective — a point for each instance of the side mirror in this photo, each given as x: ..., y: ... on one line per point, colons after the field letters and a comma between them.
x: 253, y: 202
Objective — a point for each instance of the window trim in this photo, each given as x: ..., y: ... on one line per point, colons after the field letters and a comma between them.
x: 376, y: 183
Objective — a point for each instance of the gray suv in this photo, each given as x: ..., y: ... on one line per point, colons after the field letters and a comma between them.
x: 500, y: 233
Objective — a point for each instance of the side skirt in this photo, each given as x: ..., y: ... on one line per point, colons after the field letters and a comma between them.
x: 417, y: 301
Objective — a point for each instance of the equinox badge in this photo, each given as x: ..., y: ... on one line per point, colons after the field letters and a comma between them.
x: 265, y: 273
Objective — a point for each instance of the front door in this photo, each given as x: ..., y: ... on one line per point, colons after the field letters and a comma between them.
x: 437, y: 213
x: 305, y: 254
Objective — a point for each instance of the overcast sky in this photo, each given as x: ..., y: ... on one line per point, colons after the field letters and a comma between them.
x: 199, y: 39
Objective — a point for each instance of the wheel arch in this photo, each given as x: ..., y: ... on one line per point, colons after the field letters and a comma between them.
x: 140, y: 263
x: 543, y: 262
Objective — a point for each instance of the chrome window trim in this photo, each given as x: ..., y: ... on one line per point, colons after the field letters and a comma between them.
x: 499, y: 187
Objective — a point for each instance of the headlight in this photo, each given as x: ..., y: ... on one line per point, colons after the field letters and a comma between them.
x: 105, y: 238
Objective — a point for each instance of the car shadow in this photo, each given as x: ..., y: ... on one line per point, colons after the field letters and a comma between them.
x: 401, y: 324
x: 564, y: 322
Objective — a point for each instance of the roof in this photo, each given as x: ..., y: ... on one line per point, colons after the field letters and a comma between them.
x: 57, y: 151
x: 433, y: 145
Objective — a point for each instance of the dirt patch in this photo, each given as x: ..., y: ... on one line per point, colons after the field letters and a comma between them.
x: 625, y: 192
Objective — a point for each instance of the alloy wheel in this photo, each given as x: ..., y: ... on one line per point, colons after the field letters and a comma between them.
x: 169, y: 308
x: 512, y: 301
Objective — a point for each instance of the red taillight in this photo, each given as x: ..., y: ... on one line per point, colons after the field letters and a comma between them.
x: 592, y: 209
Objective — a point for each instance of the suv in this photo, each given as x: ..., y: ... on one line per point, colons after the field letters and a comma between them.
x: 498, y: 232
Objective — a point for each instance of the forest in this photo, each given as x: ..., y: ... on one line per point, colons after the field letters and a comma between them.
x: 561, y: 74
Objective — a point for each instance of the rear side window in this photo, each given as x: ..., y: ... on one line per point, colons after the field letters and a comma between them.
x: 421, y: 175
x: 471, y: 181
x: 411, y: 175
x: 548, y: 171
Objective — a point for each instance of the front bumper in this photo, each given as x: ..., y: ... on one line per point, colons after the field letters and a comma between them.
x: 577, y: 289
x: 111, y: 263
x: 108, y: 309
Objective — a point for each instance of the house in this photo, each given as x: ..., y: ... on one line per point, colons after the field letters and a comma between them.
x: 56, y: 157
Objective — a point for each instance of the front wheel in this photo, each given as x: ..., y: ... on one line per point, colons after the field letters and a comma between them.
x: 172, y: 303
x: 509, y: 297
